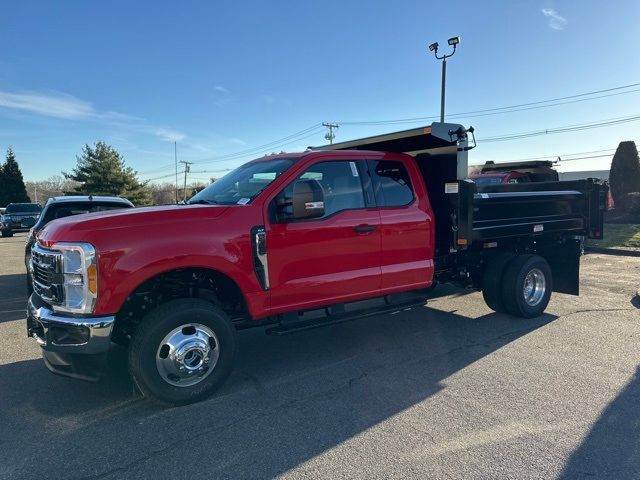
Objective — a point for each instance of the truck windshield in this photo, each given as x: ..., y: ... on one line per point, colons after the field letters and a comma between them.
x: 243, y: 184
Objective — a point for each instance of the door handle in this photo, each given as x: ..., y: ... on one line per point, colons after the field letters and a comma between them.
x: 365, y: 228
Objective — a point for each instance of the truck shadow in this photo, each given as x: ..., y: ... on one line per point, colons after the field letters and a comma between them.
x: 612, y: 448
x: 13, y: 297
x: 289, y: 399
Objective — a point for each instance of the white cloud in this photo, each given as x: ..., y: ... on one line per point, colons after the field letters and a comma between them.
x: 270, y: 99
x: 237, y: 141
x: 49, y: 104
x: 170, y: 135
x: 556, y: 21
x: 221, y: 89
x: 60, y: 105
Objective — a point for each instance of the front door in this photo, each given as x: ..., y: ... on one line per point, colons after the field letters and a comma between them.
x: 333, y: 258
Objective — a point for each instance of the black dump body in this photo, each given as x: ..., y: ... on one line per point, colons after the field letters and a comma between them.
x: 549, y: 218
x: 495, y: 212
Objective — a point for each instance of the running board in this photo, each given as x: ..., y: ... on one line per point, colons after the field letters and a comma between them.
x: 300, y: 325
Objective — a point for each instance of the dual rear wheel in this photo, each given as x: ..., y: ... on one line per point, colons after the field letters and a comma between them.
x: 520, y: 285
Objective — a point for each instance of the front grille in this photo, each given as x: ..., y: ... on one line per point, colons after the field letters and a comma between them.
x: 46, y: 268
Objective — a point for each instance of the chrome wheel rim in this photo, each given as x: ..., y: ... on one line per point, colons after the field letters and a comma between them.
x: 187, y: 355
x: 535, y: 287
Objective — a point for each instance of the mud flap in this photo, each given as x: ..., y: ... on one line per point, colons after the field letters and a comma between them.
x: 564, y: 260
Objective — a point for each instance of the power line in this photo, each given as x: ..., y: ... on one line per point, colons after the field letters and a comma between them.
x: 317, y: 128
x: 510, y: 108
x: 564, y: 129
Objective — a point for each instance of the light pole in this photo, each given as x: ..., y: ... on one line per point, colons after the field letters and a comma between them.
x: 454, y: 41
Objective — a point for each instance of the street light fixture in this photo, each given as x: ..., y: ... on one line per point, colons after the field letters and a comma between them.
x: 453, y: 41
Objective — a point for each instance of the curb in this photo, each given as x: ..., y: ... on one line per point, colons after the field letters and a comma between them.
x: 613, y: 251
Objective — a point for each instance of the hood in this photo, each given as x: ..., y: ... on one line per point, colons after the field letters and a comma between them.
x: 89, y: 226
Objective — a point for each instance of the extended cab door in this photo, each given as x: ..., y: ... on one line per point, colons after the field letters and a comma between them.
x: 333, y: 258
x: 407, y: 225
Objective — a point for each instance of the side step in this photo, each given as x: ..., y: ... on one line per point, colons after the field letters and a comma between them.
x: 300, y: 325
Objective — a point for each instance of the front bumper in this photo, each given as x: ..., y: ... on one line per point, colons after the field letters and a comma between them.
x: 62, y: 334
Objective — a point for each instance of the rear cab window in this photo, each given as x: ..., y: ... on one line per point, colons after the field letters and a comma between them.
x: 391, y: 183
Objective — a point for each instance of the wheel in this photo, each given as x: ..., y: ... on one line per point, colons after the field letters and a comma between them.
x: 7, y: 233
x: 527, y: 286
x: 182, y: 351
x: 492, y: 281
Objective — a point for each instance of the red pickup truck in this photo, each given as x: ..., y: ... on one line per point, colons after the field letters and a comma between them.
x: 298, y: 241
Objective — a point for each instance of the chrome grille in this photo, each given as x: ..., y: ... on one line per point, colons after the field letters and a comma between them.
x: 46, y: 269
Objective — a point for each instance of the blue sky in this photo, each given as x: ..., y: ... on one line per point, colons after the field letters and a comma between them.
x: 223, y: 77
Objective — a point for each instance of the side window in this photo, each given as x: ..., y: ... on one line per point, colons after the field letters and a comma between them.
x: 340, y: 182
x: 391, y: 183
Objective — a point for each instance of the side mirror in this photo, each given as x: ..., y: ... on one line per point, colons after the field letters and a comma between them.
x: 308, y: 199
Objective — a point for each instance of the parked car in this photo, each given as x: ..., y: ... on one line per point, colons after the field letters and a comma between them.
x: 498, y: 178
x: 293, y: 242
x: 19, y: 217
x: 62, y: 207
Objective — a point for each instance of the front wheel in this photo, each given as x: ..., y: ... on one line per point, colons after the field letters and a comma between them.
x: 527, y: 286
x: 6, y: 233
x: 182, y: 351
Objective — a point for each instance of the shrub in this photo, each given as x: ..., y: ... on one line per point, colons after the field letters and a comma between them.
x: 624, y: 176
x: 632, y: 202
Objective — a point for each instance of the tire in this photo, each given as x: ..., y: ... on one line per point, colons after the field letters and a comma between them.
x: 156, y: 371
x: 492, y: 281
x: 7, y: 233
x: 535, y: 270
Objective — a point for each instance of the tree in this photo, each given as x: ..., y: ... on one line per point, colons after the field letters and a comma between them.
x: 101, y: 170
x: 624, y: 176
x: 12, y: 187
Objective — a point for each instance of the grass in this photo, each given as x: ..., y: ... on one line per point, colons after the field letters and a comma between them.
x: 622, y: 236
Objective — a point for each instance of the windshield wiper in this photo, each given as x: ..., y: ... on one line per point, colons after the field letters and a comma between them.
x: 202, y: 201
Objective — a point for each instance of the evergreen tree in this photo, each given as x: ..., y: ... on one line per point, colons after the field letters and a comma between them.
x: 101, y: 170
x: 12, y: 189
x: 624, y: 176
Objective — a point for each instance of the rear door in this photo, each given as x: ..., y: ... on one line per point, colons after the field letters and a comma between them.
x: 333, y: 258
x: 407, y: 227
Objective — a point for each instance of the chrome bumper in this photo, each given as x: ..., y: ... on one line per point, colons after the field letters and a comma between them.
x: 56, y: 333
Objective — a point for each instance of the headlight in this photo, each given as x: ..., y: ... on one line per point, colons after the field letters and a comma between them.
x: 80, y: 277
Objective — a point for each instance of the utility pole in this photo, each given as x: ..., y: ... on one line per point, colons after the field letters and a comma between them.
x: 330, y: 135
x: 175, y: 154
x: 453, y: 41
x: 187, y: 167
x: 35, y: 191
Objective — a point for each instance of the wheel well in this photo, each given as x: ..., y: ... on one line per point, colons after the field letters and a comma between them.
x: 209, y: 285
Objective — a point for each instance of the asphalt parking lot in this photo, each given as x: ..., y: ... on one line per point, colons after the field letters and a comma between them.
x: 451, y: 390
